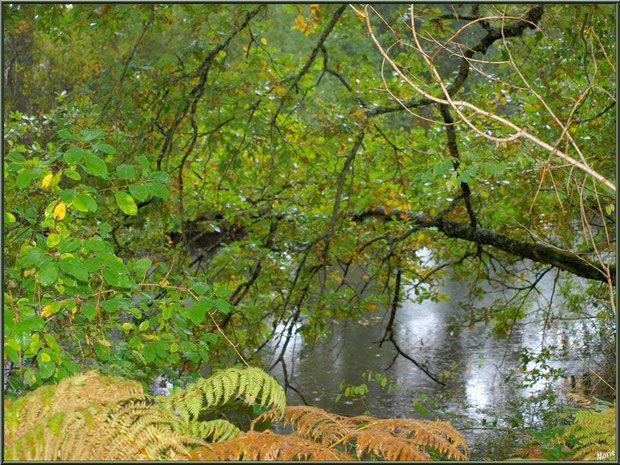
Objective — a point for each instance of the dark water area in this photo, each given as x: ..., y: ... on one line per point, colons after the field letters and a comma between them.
x: 475, y: 365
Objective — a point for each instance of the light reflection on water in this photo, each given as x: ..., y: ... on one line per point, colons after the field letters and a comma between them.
x: 478, y: 363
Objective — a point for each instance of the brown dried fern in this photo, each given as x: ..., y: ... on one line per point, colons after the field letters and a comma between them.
x: 391, y: 439
x: 97, y: 417
x: 311, y: 422
x: 73, y: 393
x: 268, y: 446
x: 68, y: 421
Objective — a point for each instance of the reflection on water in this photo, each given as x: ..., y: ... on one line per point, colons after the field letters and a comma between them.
x: 477, y: 362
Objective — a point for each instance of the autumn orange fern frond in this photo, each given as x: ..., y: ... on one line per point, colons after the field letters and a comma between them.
x: 391, y: 439
x: 268, y: 446
x: 311, y: 422
x: 409, y: 439
x: 132, y: 430
x: 73, y: 393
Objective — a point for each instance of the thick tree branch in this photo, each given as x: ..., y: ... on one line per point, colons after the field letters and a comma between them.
x: 539, y: 253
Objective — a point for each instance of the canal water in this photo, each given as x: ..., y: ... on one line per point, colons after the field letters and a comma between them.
x: 475, y: 365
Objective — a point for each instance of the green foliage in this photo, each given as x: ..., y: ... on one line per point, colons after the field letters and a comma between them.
x: 180, y: 180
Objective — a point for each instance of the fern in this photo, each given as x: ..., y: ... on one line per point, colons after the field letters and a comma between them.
x: 132, y: 429
x: 390, y: 439
x: 97, y: 417
x: 268, y: 446
x: 248, y: 383
x: 216, y: 430
x: 595, y: 432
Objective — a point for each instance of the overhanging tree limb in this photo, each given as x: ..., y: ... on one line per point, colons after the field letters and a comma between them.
x: 537, y: 252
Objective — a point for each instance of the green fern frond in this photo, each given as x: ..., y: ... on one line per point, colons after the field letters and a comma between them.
x: 247, y: 383
x: 595, y: 432
x: 215, y: 430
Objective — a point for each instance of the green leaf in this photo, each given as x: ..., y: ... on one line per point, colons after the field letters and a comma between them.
x: 52, y: 343
x: 144, y: 326
x: 71, y: 174
x: 222, y: 306
x: 24, y: 178
x: 95, y: 166
x: 66, y: 134
x: 126, y: 203
x: 116, y: 274
x: 52, y: 240
x: 198, y: 311
x: 162, y: 349
x: 48, y: 274
x: 139, y: 192
x: 125, y: 171
x: 203, y: 350
x: 90, y: 134
x: 74, y: 155
x: 33, y: 256
x: 158, y: 189
x: 46, y: 369
x: 70, y: 244
x: 420, y: 408
x: 89, y: 310
x: 32, y: 322
x: 161, y: 176
x: 74, y: 267
x: 200, y: 288
x: 84, y: 203
x: 210, y: 337
x: 95, y: 244
x: 11, y: 351
x: 67, y: 195
x: 148, y: 351
x: 105, y: 148
x: 16, y: 157
x: 140, y: 266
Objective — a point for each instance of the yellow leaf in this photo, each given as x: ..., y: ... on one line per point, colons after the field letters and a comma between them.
x: 46, y: 311
x: 104, y: 342
x: 46, y: 181
x: 263, y: 41
x: 59, y: 211
x: 45, y: 357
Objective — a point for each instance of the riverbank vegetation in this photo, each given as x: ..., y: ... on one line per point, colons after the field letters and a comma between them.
x: 186, y: 184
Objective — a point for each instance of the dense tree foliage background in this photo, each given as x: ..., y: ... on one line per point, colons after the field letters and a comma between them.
x: 185, y: 182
